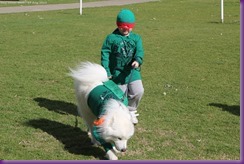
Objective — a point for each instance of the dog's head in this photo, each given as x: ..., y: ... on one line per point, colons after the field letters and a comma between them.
x: 115, y: 125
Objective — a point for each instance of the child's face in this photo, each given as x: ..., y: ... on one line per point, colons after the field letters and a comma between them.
x: 124, y: 31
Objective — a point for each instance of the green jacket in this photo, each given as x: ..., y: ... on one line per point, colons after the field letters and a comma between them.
x: 117, y: 54
x: 100, y: 94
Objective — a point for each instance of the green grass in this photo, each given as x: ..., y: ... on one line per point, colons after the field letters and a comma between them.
x: 191, y: 106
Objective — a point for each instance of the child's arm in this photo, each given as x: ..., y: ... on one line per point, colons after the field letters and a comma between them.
x: 105, y: 53
x: 139, y: 55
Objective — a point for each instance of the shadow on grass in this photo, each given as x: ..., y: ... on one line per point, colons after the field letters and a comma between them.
x: 234, y: 109
x: 74, y: 139
x: 230, y: 22
x: 60, y: 107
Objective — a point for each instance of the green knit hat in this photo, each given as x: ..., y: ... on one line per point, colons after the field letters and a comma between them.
x: 125, y: 19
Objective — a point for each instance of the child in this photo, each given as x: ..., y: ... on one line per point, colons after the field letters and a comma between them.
x: 122, y: 56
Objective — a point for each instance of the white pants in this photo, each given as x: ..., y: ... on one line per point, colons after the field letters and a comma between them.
x: 135, y: 92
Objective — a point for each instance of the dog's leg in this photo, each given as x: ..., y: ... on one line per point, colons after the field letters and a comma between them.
x: 110, y: 155
x: 115, y: 150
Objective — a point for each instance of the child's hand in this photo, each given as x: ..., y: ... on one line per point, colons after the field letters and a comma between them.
x: 135, y: 64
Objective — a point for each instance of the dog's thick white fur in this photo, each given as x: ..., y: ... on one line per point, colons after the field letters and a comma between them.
x: 117, y: 127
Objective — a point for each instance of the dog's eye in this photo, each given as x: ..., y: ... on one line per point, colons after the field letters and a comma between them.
x: 119, y: 138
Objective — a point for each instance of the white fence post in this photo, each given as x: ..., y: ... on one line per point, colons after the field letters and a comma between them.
x: 80, y: 7
x: 222, y: 10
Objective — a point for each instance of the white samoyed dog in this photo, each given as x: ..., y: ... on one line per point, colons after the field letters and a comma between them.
x: 102, y: 105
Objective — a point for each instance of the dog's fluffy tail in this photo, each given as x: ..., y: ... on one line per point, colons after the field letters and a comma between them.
x: 88, y: 73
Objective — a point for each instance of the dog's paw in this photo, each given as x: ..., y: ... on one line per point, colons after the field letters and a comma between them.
x: 111, y: 156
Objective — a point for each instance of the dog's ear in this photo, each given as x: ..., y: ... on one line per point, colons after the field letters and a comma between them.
x: 111, y: 123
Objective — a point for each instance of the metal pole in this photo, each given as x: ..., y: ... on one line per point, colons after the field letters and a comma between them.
x: 222, y: 10
x: 80, y: 7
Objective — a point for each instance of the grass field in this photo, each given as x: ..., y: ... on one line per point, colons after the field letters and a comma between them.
x: 191, y: 75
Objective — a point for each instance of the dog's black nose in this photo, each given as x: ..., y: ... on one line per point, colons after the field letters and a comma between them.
x: 123, y: 150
